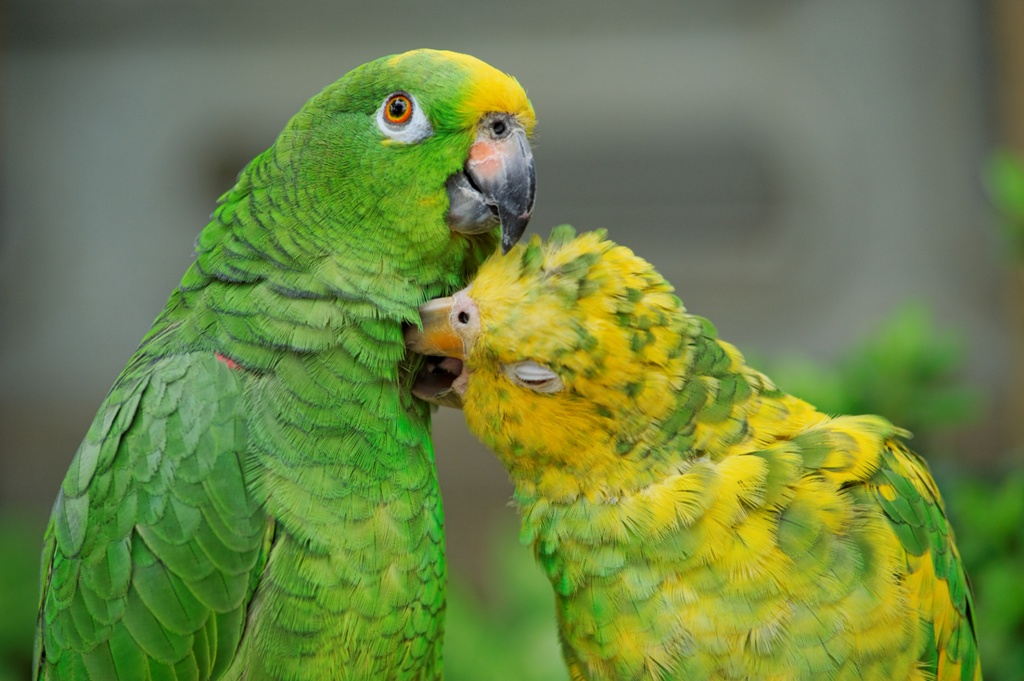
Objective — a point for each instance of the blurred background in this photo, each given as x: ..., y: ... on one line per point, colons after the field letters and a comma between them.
x: 835, y: 184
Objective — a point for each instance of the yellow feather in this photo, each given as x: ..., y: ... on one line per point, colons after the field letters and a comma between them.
x: 490, y: 90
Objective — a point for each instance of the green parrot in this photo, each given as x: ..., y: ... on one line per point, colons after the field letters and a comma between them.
x: 256, y: 498
x: 695, y: 522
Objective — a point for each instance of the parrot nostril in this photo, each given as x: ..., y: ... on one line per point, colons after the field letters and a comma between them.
x: 498, y: 127
x: 464, y: 317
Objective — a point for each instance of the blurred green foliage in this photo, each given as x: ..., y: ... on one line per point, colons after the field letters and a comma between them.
x: 19, y: 594
x: 907, y: 370
x: 508, y: 631
x: 1005, y: 183
x: 989, y: 520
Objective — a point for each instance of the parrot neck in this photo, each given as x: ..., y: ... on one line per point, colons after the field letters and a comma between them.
x: 279, y: 271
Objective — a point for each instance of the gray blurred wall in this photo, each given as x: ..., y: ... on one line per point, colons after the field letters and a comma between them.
x: 797, y: 169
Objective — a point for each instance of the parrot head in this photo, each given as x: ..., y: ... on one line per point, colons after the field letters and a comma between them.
x: 556, y: 347
x: 406, y: 168
x: 424, y: 128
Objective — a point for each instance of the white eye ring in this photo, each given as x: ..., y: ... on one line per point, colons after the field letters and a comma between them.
x: 413, y: 128
x: 536, y: 377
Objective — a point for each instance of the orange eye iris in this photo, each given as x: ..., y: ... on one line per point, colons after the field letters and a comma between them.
x: 398, y: 109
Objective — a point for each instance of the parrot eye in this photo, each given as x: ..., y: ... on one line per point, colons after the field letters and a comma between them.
x: 536, y: 377
x: 398, y: 109
x: 401, y: 118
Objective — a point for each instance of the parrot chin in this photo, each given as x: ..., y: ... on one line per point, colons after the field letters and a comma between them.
x: 441, y: 381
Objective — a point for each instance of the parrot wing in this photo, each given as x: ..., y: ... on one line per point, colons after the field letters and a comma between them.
x: 154, y: 546
x: 910, y: 500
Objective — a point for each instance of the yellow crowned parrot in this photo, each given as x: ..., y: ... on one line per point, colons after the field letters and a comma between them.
x: 256, y: 498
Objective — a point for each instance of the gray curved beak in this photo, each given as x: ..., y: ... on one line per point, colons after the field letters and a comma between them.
x: 497, y: 184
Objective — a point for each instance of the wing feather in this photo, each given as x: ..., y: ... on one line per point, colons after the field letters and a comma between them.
x: 911, y: 502
x: 150, y: 559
